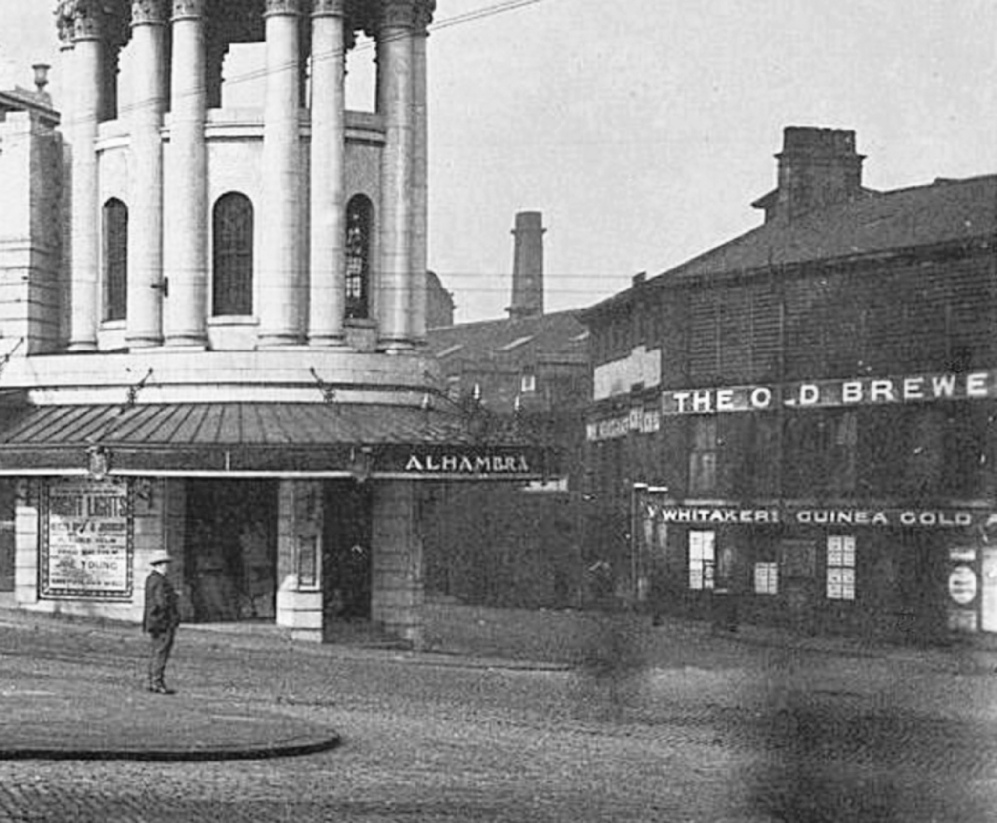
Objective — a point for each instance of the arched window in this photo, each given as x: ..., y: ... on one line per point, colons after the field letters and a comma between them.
x: 115, y: 260
x: 232, y: 255
x: 358, y: 228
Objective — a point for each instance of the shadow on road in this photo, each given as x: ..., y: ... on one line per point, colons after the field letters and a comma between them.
x: 823, y: 761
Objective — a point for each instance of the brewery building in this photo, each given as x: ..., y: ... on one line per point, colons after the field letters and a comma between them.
x: 797, y: 426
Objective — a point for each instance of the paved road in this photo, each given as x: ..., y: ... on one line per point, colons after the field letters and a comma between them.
x: 650, y: 727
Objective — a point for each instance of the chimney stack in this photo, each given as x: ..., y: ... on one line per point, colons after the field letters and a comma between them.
x: 817, y: 168
x: 527, y: 266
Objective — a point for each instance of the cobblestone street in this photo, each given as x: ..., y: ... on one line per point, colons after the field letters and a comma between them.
x: 692, y: 727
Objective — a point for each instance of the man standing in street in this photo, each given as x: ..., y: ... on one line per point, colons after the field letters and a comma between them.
x: 162, y: 616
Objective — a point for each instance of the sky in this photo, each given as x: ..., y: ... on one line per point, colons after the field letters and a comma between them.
x: 643, y: 129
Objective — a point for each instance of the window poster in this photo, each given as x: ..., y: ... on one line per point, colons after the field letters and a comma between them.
x: 87, y: 532
x: 308, y: 561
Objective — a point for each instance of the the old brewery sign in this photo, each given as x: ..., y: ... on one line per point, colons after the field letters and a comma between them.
x: 86, y: 539
x: 646, y: 416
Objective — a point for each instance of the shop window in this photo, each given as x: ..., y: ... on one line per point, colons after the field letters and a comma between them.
x: 232, y: 256
x: 358, y: 232
x: 841, y: 567
x: 115, y: 260
x: 702, y: 559
x: 703, y: 455
x: 766, y: 578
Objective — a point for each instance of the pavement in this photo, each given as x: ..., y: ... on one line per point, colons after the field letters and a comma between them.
x: 50, y: 711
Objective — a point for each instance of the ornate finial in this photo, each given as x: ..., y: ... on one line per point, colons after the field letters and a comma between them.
x: 41, y: 76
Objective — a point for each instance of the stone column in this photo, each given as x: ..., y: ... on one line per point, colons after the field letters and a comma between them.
x: 82, y: 116
x: 186, y: 230
x: 397, y: 591
x: 64, y: 96
x: 327, y: 296
x: 420, y: 171
x: 394, y: 101
x: 281, y: 292
x: 145, y: 238
x: 299, y: 558
x: 27, y: 550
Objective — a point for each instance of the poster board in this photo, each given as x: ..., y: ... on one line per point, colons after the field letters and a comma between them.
x: 86, y: 539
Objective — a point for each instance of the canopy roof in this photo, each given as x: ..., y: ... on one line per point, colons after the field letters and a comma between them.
x: 286, y: 438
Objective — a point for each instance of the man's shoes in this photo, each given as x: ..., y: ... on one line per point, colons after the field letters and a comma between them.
x: 161, y: 688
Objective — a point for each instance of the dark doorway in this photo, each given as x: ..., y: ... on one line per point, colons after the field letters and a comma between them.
x: 231, y: 549
x: 346, y: 557
x: 7, y: 543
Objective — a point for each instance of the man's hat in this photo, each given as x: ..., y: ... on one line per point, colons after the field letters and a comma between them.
x: 159, y: 556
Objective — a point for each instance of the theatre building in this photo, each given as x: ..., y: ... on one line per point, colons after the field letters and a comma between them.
x: 800, y: 422
x: 213, y: 319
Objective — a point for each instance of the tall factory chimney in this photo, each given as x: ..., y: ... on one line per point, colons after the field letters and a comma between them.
x: 527, y: 267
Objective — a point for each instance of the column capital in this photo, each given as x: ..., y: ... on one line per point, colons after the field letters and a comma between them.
x: 189, y: 9
x: 283, y: 7
x: 396, y: 14
x: 149, y: 13
x: 328, y: 8
x: 80, y: 20
x: 423, y: 15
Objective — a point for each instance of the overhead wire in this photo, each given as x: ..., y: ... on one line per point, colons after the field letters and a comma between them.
x: 472, y: 16
x: 463, y: 18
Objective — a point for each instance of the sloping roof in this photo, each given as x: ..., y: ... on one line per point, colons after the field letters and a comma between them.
x: 944, y: 212
x: 222, y: 438
x: 558, y: 333
x: 231, y: 424
x: 18, y: 99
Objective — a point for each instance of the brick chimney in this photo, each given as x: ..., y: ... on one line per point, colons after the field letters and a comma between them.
x: 527, y: 266
x: 817, y: 168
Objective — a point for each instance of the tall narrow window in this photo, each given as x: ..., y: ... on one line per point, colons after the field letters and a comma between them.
x: 232, y: 258
x: 358, y: 228
x: 703, y: 455
x: 115, y: 260
x: 840, y: 567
